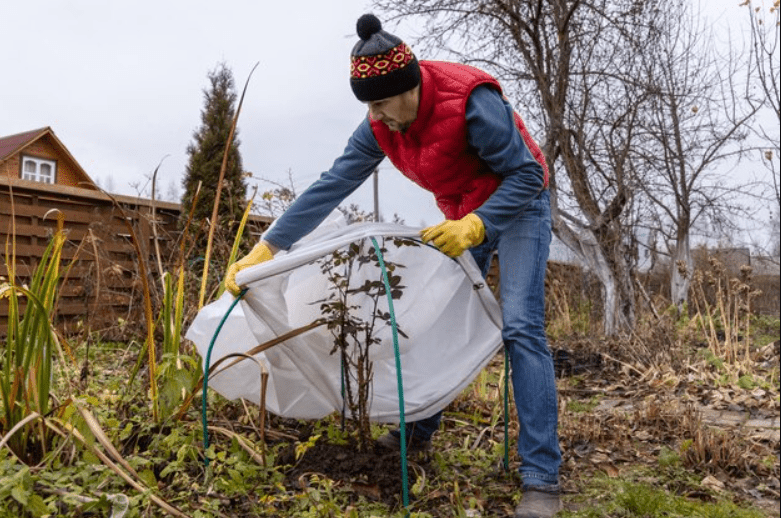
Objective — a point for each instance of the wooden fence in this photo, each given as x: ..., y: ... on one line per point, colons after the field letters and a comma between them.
x: 103, y: 286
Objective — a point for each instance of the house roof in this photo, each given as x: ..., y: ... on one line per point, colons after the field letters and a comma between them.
x: 14, y: 144
x: 11, y: 144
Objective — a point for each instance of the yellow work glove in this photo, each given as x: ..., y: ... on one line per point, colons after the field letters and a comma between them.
x: 452, y: 237
x: 260, y: 254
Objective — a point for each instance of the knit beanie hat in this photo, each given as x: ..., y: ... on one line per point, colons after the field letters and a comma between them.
x: 382, y: 64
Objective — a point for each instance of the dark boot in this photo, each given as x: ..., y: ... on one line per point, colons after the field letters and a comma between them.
x: 538, y: 504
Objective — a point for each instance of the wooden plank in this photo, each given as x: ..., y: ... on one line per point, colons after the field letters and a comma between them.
x: 22, y: 270
x: 49, y: 207
x: 26, y: 188
x: 40, y: 212
x: 87, y: 215
x: 68, y: 252
x: 108, y: 282
x: 74, y: 308
x: 43, y: 229
x: 117, y: 268
x: 71, y: 308
x: 72, y: 290
x: 25, y: 249
x: 75, y: 236
x: 83, y: 268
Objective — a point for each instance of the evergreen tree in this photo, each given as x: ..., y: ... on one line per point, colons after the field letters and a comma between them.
x: 206, y: 153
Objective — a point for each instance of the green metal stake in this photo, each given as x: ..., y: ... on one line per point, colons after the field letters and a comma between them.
x: 402, y: 424
x: 206, y: 375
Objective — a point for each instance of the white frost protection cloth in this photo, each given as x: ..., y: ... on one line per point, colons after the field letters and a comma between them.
x: 449, y: 316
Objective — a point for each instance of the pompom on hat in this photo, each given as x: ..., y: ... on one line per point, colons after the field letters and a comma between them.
x: 381, y: 64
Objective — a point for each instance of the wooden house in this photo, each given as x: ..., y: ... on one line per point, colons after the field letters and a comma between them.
x: 39, y: 156
x: 109, y: 236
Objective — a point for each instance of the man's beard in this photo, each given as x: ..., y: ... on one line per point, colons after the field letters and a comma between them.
x: 399, y: 127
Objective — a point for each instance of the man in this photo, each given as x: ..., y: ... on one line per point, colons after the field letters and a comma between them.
x: 448, y: 128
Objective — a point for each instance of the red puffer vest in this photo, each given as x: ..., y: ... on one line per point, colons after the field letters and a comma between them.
x: 434, y: 151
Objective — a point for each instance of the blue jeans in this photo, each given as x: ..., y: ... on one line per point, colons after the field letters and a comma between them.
x: 523, y: 255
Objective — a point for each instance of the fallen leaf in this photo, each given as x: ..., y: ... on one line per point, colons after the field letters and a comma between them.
x: 713, y: 483
x: 610, y: 470
x: 643, y: 435
x: 758, y: 393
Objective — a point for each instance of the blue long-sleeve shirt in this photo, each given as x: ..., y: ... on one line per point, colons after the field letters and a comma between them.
x: 491, y: 131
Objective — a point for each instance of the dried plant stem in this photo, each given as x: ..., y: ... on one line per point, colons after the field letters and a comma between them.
x: 150, y: 322
x: 100, y: 435
x: 705, y: 318
x: 237, y: 239
x: 32, y: 416
x: 153, y: 219
x: 647, y: 298
x: 252, y: 352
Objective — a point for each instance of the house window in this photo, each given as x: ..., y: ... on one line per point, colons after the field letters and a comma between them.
x: 38, y: 169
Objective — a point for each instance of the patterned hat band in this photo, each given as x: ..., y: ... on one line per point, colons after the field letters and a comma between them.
x: 364, y: 67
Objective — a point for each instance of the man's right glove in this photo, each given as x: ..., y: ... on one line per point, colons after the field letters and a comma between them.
x: 260, y: 254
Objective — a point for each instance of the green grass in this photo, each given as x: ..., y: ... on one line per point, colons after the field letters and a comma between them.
x: 580, y: 407
x: 766, y: 329
x: 639, y: 496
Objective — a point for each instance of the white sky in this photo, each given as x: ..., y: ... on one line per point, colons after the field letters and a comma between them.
x: 121, y: 86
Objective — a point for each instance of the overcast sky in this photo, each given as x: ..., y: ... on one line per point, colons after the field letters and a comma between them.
x: 121, y: 84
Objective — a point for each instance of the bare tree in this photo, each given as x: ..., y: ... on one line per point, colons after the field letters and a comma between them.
x: 695, y: 122
x: 172, y: 193
x: 276, y: 200
x: 775, y: 234
x: 764, y: 77
x: 572, y: 66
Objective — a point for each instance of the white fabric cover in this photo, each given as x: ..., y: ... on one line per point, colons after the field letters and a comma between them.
x: 450, y: 316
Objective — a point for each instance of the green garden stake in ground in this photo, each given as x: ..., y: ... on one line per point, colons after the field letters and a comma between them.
x: 402, y: 423
x: 206, y: 365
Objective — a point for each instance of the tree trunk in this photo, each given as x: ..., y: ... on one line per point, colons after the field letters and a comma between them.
x: 682, y: 268
x: 613, y: 274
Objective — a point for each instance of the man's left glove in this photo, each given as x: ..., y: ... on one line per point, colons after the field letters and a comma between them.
x: 452, y: 237
x: 260, y: 254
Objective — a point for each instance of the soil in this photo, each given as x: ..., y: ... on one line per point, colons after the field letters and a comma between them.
x: 374, y: 474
